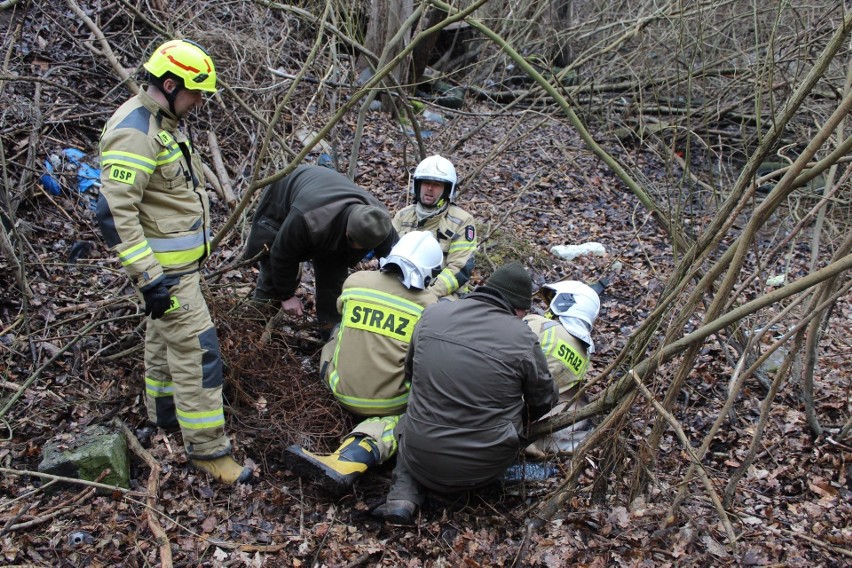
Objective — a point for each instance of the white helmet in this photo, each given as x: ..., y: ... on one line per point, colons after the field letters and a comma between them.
x: 435, y: 168
x: 417, y: 257
x: 571, y: 301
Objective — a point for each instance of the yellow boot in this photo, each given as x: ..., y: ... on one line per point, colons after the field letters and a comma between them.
x: 336, y: 472
x: 223, y: 469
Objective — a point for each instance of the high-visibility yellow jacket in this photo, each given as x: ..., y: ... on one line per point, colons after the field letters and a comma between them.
x: 456, y: 234
x: 366, y: 370
x: 153, y: 210
x: 567, y: 358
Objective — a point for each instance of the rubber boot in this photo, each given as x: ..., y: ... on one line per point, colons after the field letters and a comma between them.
x: 337, y: 472
x: 223, y: 469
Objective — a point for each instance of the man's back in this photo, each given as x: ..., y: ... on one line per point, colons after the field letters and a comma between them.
x: 378, y: 317
x: 474, y: 366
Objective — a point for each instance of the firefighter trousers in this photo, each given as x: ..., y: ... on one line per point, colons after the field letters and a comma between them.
x: 183, y: 371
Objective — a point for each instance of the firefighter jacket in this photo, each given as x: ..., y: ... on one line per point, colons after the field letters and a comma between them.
x: 477, y: 373
x: 302, y: 217
x: 366, y: 368
x: 567, y: 358
x: 152, y: 210
x: 456, y: 234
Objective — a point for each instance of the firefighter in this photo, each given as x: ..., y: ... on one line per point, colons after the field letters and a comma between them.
x: 363, y: 364
x: 154, y: 214
x: 433, y: 186
x: 320, y: 215
x: 565, y: 336
x: 478, y: 375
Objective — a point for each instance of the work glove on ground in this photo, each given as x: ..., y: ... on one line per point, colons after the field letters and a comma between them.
x: 157, y: 301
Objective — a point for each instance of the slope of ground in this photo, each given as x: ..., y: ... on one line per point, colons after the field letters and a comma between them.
x: 543, y: 189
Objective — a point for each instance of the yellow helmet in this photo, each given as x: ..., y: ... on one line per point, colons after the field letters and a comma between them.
x: 184, y: 59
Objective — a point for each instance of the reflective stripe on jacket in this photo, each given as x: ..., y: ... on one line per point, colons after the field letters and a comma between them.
x: 456, y: 233
x: 567, y: 359
x: 153, y: 210
x: 366, y: 372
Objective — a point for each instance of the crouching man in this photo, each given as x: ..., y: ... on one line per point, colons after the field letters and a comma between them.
x: 363, y: 364
x: 565, y: 334
x: 478, y: 375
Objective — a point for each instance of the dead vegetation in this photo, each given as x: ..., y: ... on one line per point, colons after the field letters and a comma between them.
x: 653, y: 138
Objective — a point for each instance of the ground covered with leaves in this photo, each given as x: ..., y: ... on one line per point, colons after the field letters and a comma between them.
x: 71, y: 356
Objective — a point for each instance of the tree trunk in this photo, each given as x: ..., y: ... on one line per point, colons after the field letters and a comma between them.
x: 420, y: 57
x: 559, y: 15
x: 386, y: 18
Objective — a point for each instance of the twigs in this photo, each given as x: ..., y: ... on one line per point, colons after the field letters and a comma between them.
x: 106, y: 50
x: 153, y: 493
x: 59, y: 352
x: 92, y: 484
x: 221, y: 172
x: 687, y: 446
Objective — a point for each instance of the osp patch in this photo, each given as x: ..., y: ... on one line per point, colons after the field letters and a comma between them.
x: 469, y: 233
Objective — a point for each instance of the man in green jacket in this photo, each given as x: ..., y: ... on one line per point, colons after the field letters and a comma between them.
x: 478, y: 376
x: 363, y: 364
x: 154, y: 214
x: 320, y: 215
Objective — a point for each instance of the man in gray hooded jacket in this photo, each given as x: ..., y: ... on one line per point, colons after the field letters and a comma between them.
x: 478, y: 375
x: 320, y: 215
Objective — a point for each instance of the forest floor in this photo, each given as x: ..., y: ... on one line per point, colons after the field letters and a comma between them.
x: 792, y: 508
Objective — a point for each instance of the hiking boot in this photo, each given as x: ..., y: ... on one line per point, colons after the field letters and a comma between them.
x: 223, y: 469
x: 396, y: 511
x: 338, y: 471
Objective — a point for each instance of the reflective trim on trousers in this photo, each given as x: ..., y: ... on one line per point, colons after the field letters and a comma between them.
x: 157, y: 388
x: 201, y: 420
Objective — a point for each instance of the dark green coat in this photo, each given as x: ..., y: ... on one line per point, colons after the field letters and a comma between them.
x: 303, y: 217
x: 477, y: 373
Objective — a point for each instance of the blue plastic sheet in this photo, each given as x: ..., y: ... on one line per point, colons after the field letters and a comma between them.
x: 47, y: 180
x: 88, y: 176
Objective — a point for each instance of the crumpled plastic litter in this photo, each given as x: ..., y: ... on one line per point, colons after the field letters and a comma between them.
x: 88, y: 176
x: 325, y: 160
x: 80, y: 537
x: 529, y: 471
x: 570, y: 252
x: 50, y: 184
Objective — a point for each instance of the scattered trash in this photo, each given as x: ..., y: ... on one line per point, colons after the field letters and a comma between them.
x: 433, y: 117
x: 47, y: 180
x: 326, y: 161
x: 777, y: 280
x: 423, y: 133
x: 570, y: 252
x: 529, y: 471
x: 80, y: 537
x: 87, y: 175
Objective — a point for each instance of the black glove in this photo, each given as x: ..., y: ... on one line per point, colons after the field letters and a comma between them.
x: 157, y: 301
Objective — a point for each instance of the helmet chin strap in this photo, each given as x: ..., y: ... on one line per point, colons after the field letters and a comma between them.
x: 170, y: 96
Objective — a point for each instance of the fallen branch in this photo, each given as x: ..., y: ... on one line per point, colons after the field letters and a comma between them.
x: 221, y: 172
x: 106, y: 50
x: 153, y: 487
x: 95, y: 484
